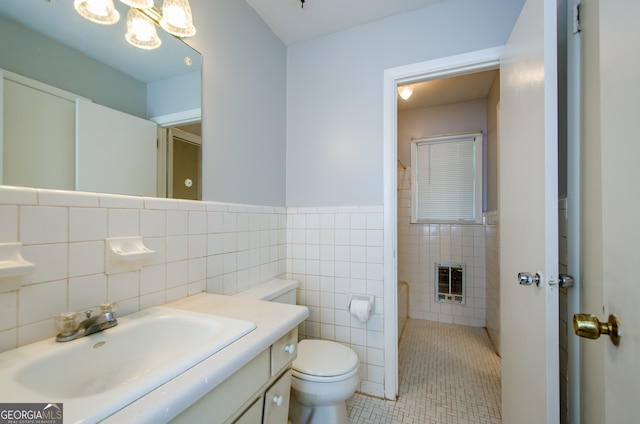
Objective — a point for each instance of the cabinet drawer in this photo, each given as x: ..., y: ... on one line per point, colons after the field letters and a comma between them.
x: 253, y: 415
x: 284, y: 351
x: 276, y: 400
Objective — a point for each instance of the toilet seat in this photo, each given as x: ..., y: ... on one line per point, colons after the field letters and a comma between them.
x: 324, y: 361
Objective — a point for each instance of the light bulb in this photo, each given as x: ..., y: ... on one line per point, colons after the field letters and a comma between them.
x: 141, y: 31
x: 405, y: 91
x: 177, y: 19
x: 98, y: 11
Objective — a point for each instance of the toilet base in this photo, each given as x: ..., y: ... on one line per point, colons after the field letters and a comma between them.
x: 304, y: 414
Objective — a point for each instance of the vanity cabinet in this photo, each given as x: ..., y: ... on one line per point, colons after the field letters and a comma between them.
x: 258, y: 393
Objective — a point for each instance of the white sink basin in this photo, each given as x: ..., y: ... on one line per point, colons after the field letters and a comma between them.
x: 95, y: 376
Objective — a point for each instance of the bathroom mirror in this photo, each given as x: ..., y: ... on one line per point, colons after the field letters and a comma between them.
x: 46, y: 41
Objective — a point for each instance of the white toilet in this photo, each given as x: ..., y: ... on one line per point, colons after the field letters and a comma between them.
x: 324, y: 374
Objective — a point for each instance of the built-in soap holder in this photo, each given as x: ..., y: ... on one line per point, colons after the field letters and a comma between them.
x: 126, y: 254
x: 12, y: 266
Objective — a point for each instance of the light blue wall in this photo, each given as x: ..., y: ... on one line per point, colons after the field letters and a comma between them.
x: 175, y: 94
x: 243, y: 103
x: 27, y: 53
x: 335, y: 95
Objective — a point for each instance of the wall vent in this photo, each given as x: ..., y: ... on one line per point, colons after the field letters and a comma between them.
x: 450, y: 282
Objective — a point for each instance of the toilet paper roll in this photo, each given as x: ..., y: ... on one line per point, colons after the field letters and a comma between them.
x: 360, y: 309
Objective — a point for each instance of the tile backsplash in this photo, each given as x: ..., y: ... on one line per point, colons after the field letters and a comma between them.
x: 224, y: 248
x: 201, y: 246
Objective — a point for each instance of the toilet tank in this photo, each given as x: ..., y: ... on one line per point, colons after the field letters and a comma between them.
x: 276, y: 290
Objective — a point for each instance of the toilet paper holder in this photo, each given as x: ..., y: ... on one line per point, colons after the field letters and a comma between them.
x: 362, y: 316
x: 368, y: 297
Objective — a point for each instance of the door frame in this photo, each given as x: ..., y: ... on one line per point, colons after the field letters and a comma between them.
x: 574, y: 201
x: 476, y: 61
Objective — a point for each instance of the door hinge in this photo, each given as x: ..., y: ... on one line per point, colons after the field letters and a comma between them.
x: 577, y: 9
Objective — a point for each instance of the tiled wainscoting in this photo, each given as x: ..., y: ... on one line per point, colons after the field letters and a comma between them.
x: 221, y: 248
x: 202, y: 246
x: 333, y: 252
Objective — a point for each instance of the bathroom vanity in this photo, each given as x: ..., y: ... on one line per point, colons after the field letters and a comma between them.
x: 246, y: 382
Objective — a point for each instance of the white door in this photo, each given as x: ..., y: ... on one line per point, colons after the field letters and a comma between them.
x: 529, y: 218
x: 38, y: 136
x: 115, y: 152
x: 610, y: 376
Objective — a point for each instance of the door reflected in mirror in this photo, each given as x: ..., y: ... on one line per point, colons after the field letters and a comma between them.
x: 184, y: 158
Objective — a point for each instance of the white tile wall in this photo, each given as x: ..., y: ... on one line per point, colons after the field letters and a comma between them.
x: 221, y: 248
x: 420, y: 246
x: 332, y: 252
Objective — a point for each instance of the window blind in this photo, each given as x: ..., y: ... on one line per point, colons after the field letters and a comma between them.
x: 445, y: 179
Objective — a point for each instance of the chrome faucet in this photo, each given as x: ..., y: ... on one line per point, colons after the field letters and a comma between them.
x: 71, y: 329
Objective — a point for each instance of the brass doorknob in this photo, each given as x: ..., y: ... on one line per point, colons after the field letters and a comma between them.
x: 588, y: 326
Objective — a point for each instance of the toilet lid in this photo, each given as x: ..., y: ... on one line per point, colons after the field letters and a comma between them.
x: 323, y: 358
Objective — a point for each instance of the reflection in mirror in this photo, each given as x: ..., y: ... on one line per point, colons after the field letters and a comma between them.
x: 72, y: 90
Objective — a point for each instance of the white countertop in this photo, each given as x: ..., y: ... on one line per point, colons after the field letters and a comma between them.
x: 273, y: 320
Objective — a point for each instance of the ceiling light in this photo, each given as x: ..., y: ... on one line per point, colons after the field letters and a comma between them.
x: 177, y: 19
x: 405, y: 91
x: 141, y: 31
x: 98, y: 11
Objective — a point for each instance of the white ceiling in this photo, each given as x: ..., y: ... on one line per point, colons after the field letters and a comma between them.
x: 294, y: 24
x: 444, y: 91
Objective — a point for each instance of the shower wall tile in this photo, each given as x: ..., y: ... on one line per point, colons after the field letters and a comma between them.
x: 420, y: 246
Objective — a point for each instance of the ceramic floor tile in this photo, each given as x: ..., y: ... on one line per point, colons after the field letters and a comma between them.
x: 449, y: 374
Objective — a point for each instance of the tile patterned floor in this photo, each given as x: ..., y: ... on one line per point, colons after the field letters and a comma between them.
x: 449, y: 374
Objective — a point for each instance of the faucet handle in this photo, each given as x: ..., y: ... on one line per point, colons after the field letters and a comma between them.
x: 67, y: 322
x: 109, y: 307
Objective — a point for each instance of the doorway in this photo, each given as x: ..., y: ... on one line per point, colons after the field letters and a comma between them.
x: 455, y: 120
x: 184, y: 162
x: 469, y: 63
x: 180, y: 161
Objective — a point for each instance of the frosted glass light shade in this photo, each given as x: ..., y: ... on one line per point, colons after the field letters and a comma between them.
x: 177, y: 19
x: 139, y: 4
x: 405, y: 91
x: 98, y: 11
x: 141, y: 31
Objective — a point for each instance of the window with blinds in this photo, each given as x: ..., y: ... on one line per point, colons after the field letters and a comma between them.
x: 447, y: 179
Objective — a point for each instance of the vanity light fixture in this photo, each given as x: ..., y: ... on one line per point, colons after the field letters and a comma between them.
x: 99, y: 11
x: 141, y: 31
x: 174, y: 17
x: 139, y: 4
x: 177, y: 19
x: 405, y: 91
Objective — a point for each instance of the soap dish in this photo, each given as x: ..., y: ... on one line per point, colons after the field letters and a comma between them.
x: 126, y: 254
x: 11, y: 261
x: 12, y: 265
